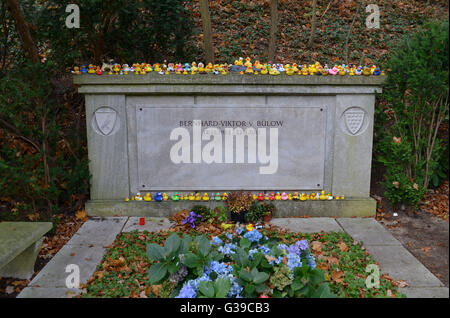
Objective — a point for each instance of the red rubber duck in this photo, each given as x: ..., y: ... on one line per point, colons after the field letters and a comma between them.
x: 260, y: 197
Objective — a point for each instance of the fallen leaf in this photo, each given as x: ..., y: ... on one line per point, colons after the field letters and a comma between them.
x: 332, y: 260
x: 317, y: 246
x: 156, y: 289
x: 9, y: 290
x: 401, y: 283
x: 142, y: 294
x: 17, y: 282
x: 338, y: 276
x: 342, y: 247
x: 80, y: 215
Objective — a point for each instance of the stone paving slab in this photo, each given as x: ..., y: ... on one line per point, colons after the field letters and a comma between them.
x: 367, y: 230
x: 308, y: 225
x: 98, y: 231
x: 54, y: 273
x: 152, y: 224
x: 400, y: 264
x: 48, y: 292
x: 425, y: 292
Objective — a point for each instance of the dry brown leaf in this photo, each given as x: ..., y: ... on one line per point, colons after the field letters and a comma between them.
x: 317, y: 246
x: 401, y: 283
x: 80, y: 215
x: 342, y: 247
x: 338, y: 276
x: 332, y: 260
x: 156, y: 289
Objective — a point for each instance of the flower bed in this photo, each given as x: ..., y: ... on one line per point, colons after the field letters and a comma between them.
x: 236, y: 263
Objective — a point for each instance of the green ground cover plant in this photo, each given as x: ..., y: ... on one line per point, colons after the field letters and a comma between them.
x: 132, y: 269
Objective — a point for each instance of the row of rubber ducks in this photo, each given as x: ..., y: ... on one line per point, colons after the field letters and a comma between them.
x: 159, y: 197
x: 239, y: 66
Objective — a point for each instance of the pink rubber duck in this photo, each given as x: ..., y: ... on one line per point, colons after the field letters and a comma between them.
x: 333, y: 71
x: 284, y: 196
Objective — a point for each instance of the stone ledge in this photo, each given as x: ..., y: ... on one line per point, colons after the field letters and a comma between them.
x: 357, y: 207
x: 229, y: 79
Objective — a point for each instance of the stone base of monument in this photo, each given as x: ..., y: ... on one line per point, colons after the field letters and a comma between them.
x: 350, y: 207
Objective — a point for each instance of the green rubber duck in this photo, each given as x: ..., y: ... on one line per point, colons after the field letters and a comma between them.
x: 218, y: 197
x: 175, y: 197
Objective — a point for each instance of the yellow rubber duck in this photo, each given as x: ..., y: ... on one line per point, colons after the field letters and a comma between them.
x: 201, y: 68
x: 313, y: 196
x: 127, y: 199
x: 322, y: 196
x: 91, y: 69
x: 137, y: 69
x: 224, y: 196
x: 248, y: 63
x: 254, y: 196
x: 138, y: 197
x: 342, y: 197
x: 165, y: 197
x: 116, y: 69
x: 290, y: 196
x: 250, y: 227
x: 274, y: 71
x: 191, y: 197
x: 264, y: 70
x: 198, y: 197
x: 342, y: 71
x: 337, y: 197
x: 205, y: 197
x: 366, y: 71
x: 305, y: 71
x: 303, y: 197
x: 289, y: 70
x: 147, y: 197
x: 296, y: 196
x: 249, y: 70
x: 278, y: 196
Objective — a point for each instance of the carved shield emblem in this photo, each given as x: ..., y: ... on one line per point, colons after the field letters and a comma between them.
x: 354, y: 120
x: 105, y: 119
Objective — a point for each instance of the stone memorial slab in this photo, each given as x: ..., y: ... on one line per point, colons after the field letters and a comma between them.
x: 224, y: 147
x: 212, y: 133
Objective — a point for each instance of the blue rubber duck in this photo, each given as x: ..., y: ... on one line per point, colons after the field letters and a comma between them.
x: 158, y: 197
x: 83, y: 69
x: 376, y: 71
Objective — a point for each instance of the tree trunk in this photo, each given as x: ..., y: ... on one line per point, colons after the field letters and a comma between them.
x: 273, y: 29
x: 207, y: 33
x: 23, y: 30
x: 313, y: 23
